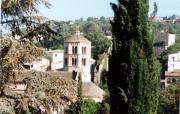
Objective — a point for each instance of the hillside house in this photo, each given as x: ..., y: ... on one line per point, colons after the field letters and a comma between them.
x: 174, y: 62
x: 173, y: 73
x: 56, y: 58
x: 18, y: 87
x: 40, y: 64
x: 170, y: 40
x: 162, y: 41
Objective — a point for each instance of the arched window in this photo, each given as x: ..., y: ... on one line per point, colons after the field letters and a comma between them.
x: 74, y: 61
x: 74, y: 49
x: 83, y: 50
x: 66, y: 50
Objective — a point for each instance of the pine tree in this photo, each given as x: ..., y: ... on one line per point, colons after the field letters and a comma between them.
x: 133, y: 79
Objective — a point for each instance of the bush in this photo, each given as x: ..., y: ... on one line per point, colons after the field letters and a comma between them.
x: 86, y: 107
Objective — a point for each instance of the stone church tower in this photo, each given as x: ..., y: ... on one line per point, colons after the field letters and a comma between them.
x: 77, y: 55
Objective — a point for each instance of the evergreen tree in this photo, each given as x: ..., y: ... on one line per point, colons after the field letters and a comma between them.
x: 133, y: 79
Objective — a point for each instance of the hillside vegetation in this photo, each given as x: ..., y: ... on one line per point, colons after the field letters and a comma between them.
x: 43, y: 91
x: 94, y: 29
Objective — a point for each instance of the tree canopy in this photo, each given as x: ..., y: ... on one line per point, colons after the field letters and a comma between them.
x: 133, y: 79
x: 15, y: 15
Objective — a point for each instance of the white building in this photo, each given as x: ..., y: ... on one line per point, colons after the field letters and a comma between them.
x: 173, y: 73
x: 174, y: 62
x: 41, y: 64
x: 56, y: 58
x: 18, y: 87
x: 170, y: 40
x: 77, y: 55
x: 163, y: 40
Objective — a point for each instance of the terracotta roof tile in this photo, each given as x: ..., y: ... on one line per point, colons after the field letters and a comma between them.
x: 174, y: 73
x: 77, y: 37
x: 89, y: 89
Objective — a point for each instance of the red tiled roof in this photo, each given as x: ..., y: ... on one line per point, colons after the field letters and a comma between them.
x: 77, y: 37
x: 175, y: 73
x: 89, y: 89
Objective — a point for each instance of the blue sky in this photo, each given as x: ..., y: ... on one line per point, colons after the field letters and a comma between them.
x: 75, y: 9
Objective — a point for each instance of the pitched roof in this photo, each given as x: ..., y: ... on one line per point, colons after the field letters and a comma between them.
x: 175, y: 73
x: 55, y: 51
x: 89, y: 89
x: 77, y: 37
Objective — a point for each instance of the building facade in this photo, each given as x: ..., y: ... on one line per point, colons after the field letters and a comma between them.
x: 173, y: 72
x: 40, y: 64
x: 77, y: 55
x: 174, y: 62
x: 163, y: 40
x: 170, y: 40
x: 56, y: 58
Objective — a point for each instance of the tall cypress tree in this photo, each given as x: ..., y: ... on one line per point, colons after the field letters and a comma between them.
x: 133, y: 79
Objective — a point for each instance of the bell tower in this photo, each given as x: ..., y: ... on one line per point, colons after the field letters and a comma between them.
x: 77, y: 55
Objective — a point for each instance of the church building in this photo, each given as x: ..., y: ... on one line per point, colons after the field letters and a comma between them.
x: 77, y: 55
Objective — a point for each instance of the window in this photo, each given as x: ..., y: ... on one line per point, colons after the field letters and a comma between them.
x: 172, y: 58
x: 65, y: 61
x: 66, y: 50
x: 83, y: 50
x: 55, y: 55
x: 84, y: 61
x: 74, y: 49
x: 74, y: 61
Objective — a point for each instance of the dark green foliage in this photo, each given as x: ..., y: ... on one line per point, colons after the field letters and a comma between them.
x: 169, y: 100
x: 154, y: 13
x: 133, y: 71
x: 87, y: 107
x: 99, y: 43
x: 105, y: 107
x: 167, y: 27
x: 174, y: 48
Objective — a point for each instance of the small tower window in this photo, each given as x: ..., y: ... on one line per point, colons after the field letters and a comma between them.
x: 83, y: 50
x: 66, y: 50
x: 74, y: 49
x: 84, y: 61
x: 74, y: 61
